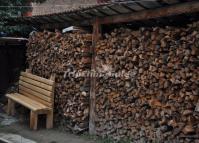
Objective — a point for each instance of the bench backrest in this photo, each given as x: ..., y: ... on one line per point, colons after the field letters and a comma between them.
x: 37, y: 88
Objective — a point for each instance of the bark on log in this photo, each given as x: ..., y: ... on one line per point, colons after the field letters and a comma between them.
x: 50, y: 52
x: 159, y: 99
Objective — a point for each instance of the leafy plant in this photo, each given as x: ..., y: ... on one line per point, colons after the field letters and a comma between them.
x: 12, y: 9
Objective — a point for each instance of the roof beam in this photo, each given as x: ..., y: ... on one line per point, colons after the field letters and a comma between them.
x: 188, y: 7
x: 53, y: 25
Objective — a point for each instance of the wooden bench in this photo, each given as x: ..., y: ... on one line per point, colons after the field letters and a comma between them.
x: 35, y: 93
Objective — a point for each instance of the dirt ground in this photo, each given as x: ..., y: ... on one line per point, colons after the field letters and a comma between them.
x: 42, y: 135
x: 12, y: 128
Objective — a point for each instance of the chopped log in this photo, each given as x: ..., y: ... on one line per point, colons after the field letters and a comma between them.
x: 161, y: 93
x: 50, y: 52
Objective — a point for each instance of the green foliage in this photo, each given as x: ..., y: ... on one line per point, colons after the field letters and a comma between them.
x: 11, y: 9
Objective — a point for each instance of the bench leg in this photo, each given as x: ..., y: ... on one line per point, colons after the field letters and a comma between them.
x: 11, y: 107
x: 33, y: 120
x: 49, y: 120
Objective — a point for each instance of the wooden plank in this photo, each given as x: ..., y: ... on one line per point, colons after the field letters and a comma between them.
x: 27, y: 102
x: 36, y: 83
x: 37, y: 78
x: 188, y: 7
x: 36, y: 89
x: 92, y: 116
x: 34, y: 94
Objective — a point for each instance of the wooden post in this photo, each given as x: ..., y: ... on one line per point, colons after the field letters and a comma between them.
x: 92, y: 116
x: 11, y: 107
x: 49, y: 116
x: 49, y: 120
x: 33, y: 120
x: 28, y: 70
x: 52, y: 77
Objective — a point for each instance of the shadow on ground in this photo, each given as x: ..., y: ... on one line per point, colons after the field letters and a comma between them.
x: 13, y: 130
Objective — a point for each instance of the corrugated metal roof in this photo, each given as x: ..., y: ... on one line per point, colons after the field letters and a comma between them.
x: 83, y: 15
x: 57, y: 6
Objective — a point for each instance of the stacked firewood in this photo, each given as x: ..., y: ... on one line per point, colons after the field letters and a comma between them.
x: 152, y: 91
x: 65, y: 55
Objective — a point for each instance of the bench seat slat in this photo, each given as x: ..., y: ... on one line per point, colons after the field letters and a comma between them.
x: 37, y: 83
x: 27, y: 102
